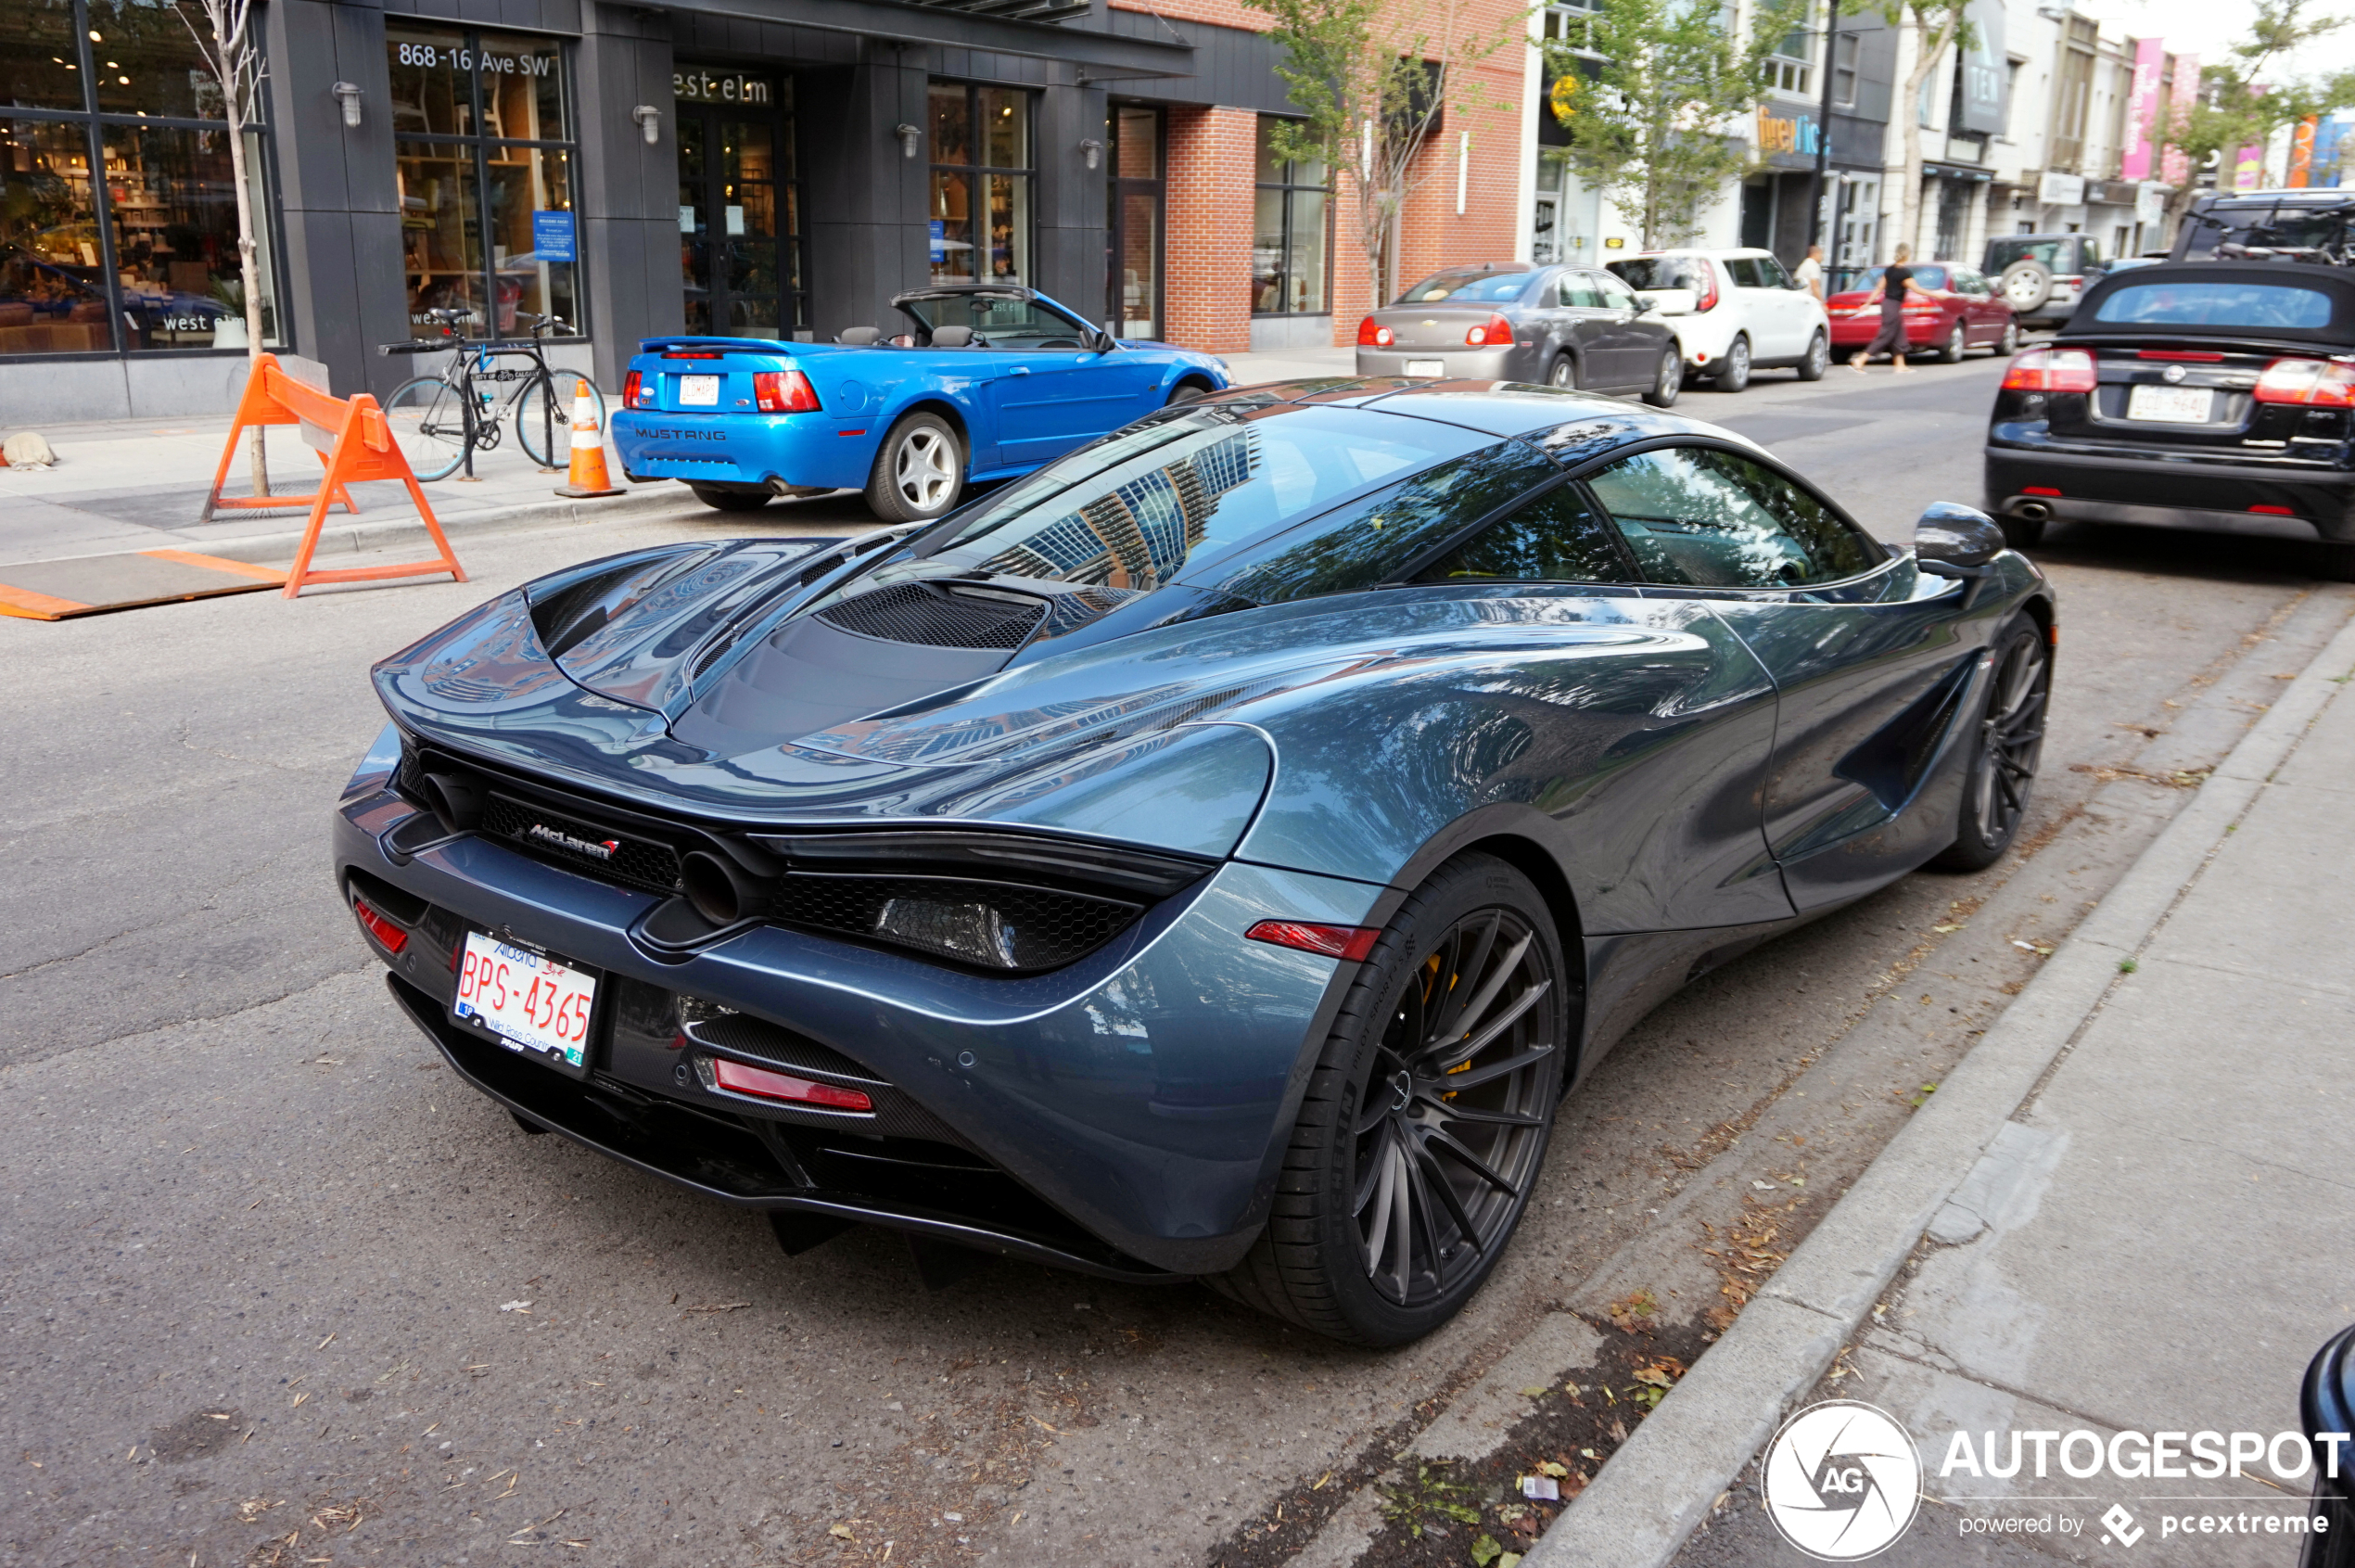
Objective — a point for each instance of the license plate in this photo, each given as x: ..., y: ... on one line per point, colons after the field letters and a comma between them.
x: 2170, y: 405
x: 699, y: 392
x: 1426, y: 367
x: 537, y: 1006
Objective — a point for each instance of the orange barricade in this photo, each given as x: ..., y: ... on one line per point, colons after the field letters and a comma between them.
x: 355, y: 444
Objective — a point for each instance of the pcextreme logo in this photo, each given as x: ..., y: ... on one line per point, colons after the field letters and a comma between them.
x: 1841, y: 1481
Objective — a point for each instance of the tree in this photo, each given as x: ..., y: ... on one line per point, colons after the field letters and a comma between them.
x: 1936, y: 26
x: 234, y: 55
x: 2235, y: 108
x: 1371, y: 84
x: 1651, y: 85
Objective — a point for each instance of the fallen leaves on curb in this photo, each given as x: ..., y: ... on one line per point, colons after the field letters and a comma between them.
x: 1634, y: 1312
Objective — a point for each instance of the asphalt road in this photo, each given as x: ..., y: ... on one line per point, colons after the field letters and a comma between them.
x: 278, y: 1290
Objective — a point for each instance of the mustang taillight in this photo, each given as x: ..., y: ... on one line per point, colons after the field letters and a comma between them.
x: 1352, y: 942
x: 1495, y: 332
x: 383, y: 930
x: 1371, y: 333
x: 2309, y: 383
x: 784, y: 392
x: 633, y: 391
x: 759, y: 1082
x: 2051, y: 370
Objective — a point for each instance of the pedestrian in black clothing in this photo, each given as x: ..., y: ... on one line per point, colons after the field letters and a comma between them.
x: 1896, y: 281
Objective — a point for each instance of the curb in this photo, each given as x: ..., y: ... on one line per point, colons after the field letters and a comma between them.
x: 1661, y: 1483
x: 338, y: 537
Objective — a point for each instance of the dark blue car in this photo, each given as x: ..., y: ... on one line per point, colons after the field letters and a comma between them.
x: 983, y: 382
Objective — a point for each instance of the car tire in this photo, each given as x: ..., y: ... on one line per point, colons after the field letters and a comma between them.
x: 1346, y: 1252
x: 1562, y: 374
x: 2008, y: 344
x: 1818, y: 360
x: 2007, y: 740
x: 2021, y: 533
x: 2026, y: 284
x: 1733, y: 373
x: 1186, y: 392
x: 918, y: 472
x: 1956, y: 345
x: 731, y: 500
x: 1669, y: 379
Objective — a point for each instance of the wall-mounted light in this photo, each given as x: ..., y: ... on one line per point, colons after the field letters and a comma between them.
x: 1091, y: 150
x: 909, y: 137
x: 348, y: 95
x: 649, y: 121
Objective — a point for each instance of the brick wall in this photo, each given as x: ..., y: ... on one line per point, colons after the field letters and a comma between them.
x: 1213, y: 161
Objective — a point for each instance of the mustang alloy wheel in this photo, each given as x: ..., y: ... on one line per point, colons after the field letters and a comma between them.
x: 919, y: 471
x: 2008, y: 742
x: 1426, y: 1122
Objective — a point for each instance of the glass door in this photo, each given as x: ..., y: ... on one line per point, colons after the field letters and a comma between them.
x: 1132, y: 236
x: 740, y: 255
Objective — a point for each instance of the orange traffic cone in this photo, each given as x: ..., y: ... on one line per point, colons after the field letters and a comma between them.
x: 587, y: 478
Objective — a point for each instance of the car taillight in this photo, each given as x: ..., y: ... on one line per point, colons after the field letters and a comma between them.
x: 383, y: 930
x: 1493, y: 332
x: 1352, y: 942
x: 1371, y: 333
x: 633, y: 386
x: 1707, y: 300
x: 738, y: 1079
x: 784, y: 392
x: 2310, y: 383
x: 2051, y: 370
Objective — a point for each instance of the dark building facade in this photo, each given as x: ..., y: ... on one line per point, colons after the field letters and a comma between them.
x: 764, y: 168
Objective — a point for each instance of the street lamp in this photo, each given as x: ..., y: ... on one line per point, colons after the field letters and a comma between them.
x: 347, y: 94
x: 909, y: 137
x: 649, y: 121
x: 1091, y: 150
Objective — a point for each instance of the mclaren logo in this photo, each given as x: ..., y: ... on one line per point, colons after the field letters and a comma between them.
x: 595, y: 848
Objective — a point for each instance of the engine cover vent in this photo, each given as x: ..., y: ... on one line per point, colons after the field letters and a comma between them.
x: 937, y: 617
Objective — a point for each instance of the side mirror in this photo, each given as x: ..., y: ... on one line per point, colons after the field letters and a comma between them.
x: 1956, y: 541
x: 1643, y: 303
x: 1103, y: 342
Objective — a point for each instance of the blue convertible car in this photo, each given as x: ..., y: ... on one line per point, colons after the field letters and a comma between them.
x: 986, y: 382
x: 1212, y: 856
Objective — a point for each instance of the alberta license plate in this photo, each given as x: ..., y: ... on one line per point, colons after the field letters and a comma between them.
x: 2170, y: 405
x: 1426, y: 367
x: 699, y: 392
x: 536, y: 1006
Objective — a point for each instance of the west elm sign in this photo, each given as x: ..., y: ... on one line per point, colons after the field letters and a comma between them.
x: 693, y: 85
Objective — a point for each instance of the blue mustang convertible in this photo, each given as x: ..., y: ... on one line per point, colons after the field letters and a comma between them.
x: 986, y: 382
x: 1213, y: 857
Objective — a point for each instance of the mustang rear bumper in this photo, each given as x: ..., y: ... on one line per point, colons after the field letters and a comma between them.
x: 817, y: 451
x: 2113, y: 487
x: 1126, y: 1116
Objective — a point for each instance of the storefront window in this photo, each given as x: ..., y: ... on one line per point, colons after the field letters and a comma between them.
x: 1290, y: 224
x: 487, y: 217
x: 981, y: 175
x: 143, y: 256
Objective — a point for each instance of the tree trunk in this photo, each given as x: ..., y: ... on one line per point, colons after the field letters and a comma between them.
x: 1926, y: 61
x: 248, y: 272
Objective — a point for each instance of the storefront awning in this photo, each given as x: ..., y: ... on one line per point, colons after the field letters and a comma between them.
x: 1028, y: 28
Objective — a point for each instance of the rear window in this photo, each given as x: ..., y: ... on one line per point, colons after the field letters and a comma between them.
x: 1133, y: 509
x: 2278, y: 306
x: 1467, y: 287
x: 1661, y: 272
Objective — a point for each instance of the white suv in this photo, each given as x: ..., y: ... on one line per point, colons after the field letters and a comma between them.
x: 1734, y: 312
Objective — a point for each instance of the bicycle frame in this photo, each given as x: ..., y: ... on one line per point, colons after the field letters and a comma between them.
x: 473, y: 363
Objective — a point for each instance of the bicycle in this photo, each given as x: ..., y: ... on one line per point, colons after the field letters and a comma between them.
x: 440, y: 422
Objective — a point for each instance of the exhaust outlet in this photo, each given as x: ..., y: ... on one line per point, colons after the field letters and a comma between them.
x: 723, y: 891
x: 2034, y: 511
x: 455, y: 799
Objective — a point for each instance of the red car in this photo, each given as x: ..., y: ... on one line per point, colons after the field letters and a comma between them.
x: 1966, y: 313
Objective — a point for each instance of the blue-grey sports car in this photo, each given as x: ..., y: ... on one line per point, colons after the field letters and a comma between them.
x: 983, y: 382
x: 1212, y: 857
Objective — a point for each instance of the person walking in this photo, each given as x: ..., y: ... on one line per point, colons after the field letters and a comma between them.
x: 1809, y: 273
x: 1896, y: 282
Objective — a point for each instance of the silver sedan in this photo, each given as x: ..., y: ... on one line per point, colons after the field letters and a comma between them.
x: 1563, y: 326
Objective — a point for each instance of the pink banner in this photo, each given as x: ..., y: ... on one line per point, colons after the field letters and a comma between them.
x: 2142, y: 107
x: 2174, y: 168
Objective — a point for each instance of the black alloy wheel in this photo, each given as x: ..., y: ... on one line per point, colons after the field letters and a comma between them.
x: 1564, y: 371
x: 2006, y: 746
x: 1733, y: 371
x: 1426, y: 1122
x: 1669, y: 379
x: 1818, y: 360
x: 1951, y: 353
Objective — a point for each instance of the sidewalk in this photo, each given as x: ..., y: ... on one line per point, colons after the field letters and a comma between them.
x: 2129, y: 1209
x: 139, y: 484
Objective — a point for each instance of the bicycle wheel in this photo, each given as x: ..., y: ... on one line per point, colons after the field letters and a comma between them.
x: 543, y: 416
x: 428, y: 424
